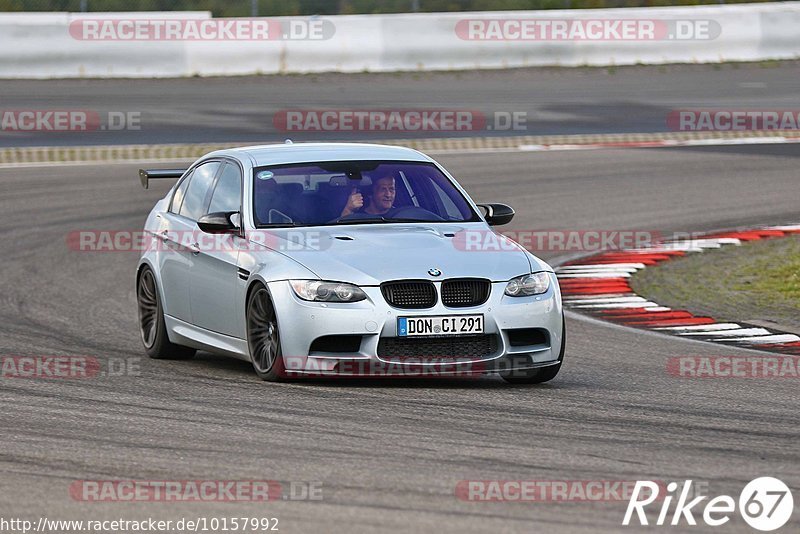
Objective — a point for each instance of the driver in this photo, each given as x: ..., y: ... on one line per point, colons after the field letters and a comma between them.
x: 381, y: 198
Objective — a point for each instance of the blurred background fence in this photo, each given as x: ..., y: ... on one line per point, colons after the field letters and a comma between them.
x: 269, y: 8
x: 57, y: 45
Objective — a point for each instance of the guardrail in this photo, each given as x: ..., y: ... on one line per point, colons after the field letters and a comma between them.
x: 174, y: 44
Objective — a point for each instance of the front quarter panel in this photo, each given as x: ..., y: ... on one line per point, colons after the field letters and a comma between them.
x: 265, y: 266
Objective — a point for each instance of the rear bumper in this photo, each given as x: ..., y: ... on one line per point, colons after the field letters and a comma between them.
x: 301, y: 323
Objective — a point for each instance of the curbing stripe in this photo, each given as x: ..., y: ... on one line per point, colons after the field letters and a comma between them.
x: 681, y: 330
x: 123, y: 153
x: 616, y: 302
x: 732, y: 333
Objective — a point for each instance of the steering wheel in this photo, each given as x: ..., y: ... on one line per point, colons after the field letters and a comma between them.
x: 413, y: 212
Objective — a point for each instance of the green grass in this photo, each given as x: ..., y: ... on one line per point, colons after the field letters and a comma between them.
x: 765, y: 280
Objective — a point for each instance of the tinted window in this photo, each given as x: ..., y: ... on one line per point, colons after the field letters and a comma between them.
x: 447, y: 203
x: 194, y: 202
x: 357, y: 191
x: 228, y: 191
x: 177, y: 198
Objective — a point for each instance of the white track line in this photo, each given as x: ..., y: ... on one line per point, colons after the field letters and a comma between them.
x: 609, y: 300
x: 789, y: 228
x: 736, y: 332
x: 601, y: 266
x: 704, y: 327
x: 618, y: 305
x: 662, y: 249
x: 590, y: 271
x: 764, y: 340
x: 598, y: 274
x: 776, y: 140
x: 572, y: 298
x: 148, y: 157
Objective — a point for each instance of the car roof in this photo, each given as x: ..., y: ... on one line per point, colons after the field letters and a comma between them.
x: 261, y: 155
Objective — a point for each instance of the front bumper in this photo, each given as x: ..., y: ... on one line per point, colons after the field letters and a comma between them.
x: 301, y: 323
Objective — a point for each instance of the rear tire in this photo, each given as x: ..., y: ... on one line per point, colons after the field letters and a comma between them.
x: 263, y: 338
x: 152, y: 327
x: 543, y: 374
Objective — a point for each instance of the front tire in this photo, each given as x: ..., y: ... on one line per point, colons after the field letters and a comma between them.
x: 152, y: 327
x: 263, y: 337
x: 543, y: 374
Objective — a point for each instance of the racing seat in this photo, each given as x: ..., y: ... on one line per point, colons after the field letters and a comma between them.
x: 330, y: 201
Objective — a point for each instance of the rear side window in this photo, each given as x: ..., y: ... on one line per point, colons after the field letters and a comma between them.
x: 194, y: 201
x: 227, y: 194
x: 177, y: 198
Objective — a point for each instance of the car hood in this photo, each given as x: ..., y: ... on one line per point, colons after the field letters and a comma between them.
x: 368, y: 255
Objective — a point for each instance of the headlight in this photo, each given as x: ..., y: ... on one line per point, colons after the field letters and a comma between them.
x: 319, y: 291
x: 528, y: 284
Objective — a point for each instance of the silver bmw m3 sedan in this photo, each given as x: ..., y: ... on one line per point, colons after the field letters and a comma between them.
x: 318, y: 259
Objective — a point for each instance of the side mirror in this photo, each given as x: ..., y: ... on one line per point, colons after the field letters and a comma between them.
x: 497, y: 214
x: 222, y: 222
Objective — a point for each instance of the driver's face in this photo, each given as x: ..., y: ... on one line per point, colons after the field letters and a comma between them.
x: 383, y: 193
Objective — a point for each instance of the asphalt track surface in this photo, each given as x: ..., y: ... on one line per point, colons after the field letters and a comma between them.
x: 555, y: 101
x: 389, y: 453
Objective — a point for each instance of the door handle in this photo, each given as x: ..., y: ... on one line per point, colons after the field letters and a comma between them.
x: 165, y: 236
x: 195, y: 248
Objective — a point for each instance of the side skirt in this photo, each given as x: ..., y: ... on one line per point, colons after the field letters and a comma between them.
x: 193, y: 336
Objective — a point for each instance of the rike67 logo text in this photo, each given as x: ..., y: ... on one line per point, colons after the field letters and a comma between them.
x: 765, y: 504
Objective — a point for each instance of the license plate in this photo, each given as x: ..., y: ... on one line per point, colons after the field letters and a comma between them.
x: 440, y: 325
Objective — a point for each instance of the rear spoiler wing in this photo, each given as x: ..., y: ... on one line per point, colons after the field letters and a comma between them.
x: 156, y: 174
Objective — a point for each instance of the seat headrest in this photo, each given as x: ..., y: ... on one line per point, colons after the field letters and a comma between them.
x: 292, y: 189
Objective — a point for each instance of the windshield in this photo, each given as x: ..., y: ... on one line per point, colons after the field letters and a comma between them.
x: 356, y: 192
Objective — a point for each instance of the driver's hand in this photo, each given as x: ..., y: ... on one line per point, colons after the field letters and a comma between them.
x: 354, y: 202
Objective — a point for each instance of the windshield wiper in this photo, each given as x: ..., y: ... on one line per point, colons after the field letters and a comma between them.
x: 418, y: 220
x: 282, y: 225
x: 361, y: 220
